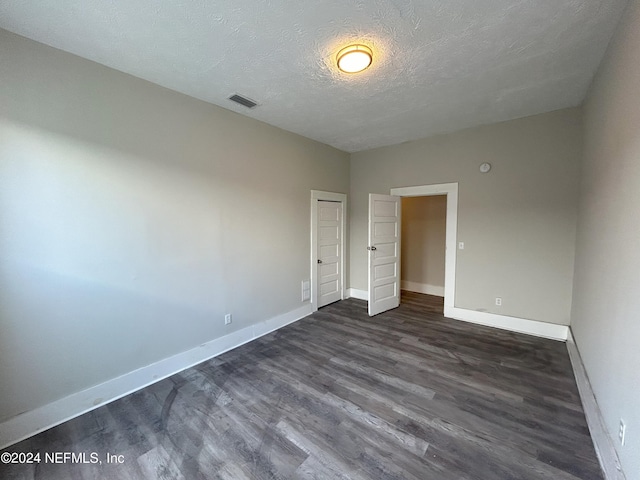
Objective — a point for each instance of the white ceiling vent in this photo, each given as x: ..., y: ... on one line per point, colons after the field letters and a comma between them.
x: 247, y: 102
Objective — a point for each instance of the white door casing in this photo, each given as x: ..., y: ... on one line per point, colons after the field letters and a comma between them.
x: 384, y: 253
x: 316, y: 197
x: 451, y: 191
x: 329, y: 246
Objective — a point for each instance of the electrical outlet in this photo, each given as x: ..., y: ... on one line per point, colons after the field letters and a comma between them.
x: 498, y: 301
x: 622, y: 430
x: 227, y: 319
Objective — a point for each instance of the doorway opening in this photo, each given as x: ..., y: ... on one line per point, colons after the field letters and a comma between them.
x: 448, y: 192
x: 384, y: 245
x: 423, y: 247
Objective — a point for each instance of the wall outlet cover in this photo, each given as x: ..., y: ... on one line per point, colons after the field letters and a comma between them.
x: 622, y: 430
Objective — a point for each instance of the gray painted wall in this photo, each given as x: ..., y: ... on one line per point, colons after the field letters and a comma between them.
x: 132, y: 218
x: 606, y: 300
x: 518, y: 221
x: 423, y: 242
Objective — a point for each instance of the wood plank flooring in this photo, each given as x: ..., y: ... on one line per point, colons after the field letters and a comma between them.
x: 408, y: 394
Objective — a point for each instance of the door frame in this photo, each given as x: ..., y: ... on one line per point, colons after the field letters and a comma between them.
x: 318, y: 195
x: 451, y: 235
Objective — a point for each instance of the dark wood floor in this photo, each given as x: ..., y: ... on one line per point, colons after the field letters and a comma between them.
x: 407, y: 394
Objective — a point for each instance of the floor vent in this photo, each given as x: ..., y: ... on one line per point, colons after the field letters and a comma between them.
x: 243, y: 100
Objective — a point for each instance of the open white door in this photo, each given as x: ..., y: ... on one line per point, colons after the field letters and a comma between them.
x: 384, y: 253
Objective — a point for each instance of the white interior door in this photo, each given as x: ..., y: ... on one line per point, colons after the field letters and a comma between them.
x: 329, y: 251
x: 384, y: 253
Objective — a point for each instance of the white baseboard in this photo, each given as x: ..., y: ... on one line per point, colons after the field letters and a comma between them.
x: 359, y: 294
x: 515, y: 324
x: 422, y: 288
x: 29, y: 423
x: 601, y: 439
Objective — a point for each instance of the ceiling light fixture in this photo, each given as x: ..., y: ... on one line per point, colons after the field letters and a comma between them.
x: 354, y: 58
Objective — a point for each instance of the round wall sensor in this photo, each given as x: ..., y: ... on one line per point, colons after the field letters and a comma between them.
x: 485, y: 167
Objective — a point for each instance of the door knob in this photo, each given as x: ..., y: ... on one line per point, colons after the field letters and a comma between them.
x: 371, y: 248
x: 319, y: 261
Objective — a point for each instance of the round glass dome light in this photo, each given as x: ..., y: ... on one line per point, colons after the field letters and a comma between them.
x: 354, y: 58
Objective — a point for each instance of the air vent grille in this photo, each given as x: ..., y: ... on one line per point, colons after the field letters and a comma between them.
x: 243, y: 100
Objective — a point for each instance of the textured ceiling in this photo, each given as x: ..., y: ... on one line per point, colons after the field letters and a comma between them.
x: 439, y: 65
